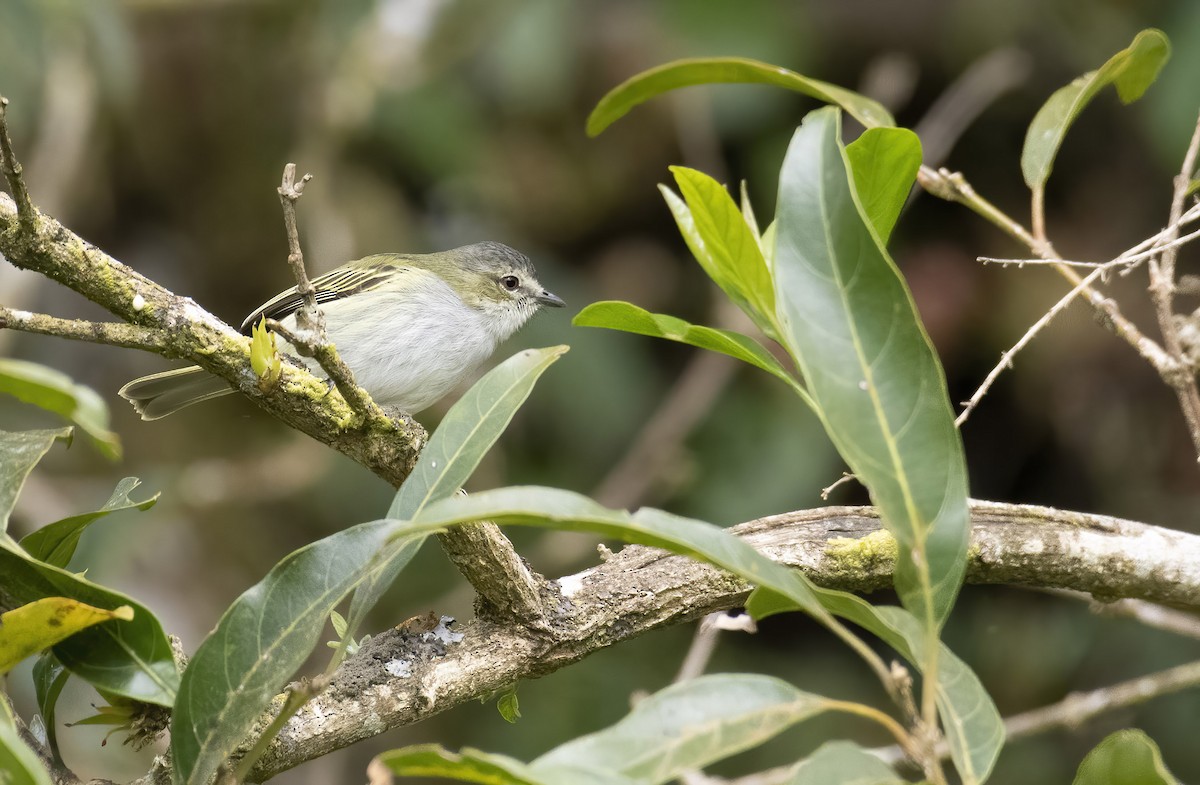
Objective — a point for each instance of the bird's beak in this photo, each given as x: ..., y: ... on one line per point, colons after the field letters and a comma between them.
x: 554, y: 301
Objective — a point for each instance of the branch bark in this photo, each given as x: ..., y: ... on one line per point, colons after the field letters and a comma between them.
x: 641, y: 589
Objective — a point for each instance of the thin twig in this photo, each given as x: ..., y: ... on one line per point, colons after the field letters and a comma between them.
x: 26, y: 213
x: 1079, y: 708
x: 952, y: 186
x: 828, y: 489
x: 130, y: 336
x: 1006, y: 357
x: 1162, y: 291
x: 310, y: 338
x: 1151, y: 614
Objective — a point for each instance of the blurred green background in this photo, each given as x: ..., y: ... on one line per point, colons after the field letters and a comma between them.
x: 158, y: 129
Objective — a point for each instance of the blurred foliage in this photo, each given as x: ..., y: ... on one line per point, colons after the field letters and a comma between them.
x: 158, y: 128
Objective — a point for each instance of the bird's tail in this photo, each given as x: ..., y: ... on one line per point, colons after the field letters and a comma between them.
x: 165, y: 393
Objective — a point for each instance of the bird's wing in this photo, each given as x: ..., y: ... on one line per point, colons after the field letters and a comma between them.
x: 353, y: 278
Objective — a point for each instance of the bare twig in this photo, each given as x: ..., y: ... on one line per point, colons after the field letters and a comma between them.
x: 1080, y: 707
x: 952, y: 186
x: 130, y: 336
x: 1007, y: 357
x: 828, y: 490
x: 1162, y: 291
x: 704, y: 642
x: 310, y: 339
x: 26, y: 213
x: 1150, y: 614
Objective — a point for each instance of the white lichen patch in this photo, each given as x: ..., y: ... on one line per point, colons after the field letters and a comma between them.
x: 398, y: 668
x: 569, y: 585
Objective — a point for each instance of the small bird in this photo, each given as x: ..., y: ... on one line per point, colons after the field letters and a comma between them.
x: 411, y: 327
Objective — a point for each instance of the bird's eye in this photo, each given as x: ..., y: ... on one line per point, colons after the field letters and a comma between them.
x: 510, y: 282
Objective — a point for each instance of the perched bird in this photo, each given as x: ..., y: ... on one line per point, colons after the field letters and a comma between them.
x: 412, y: 327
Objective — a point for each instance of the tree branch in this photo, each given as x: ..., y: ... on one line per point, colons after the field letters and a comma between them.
x: 640, y: 589
x: 130, y: 336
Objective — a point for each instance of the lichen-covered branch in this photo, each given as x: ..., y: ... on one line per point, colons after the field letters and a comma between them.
x: 388, y: 447
x: 640, y: 589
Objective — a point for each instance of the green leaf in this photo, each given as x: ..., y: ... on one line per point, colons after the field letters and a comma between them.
x: 973, y: 727
x: 49, y: 678
x: 128, y: 658
x: 690, y: 725
x: 1193, y: 187
x: 56, y: 392
x: 433, y: 760
x: 715, y: 70
x: 1132, y: 70
x: 1127, y: 757
x: 38, y: 625
x: 259, y: 643
x: 19, y: 765
x: 19, y: 453
x: 717, y: 234
x: 884, y: 162
x: 843, y: 763
x: 849, y: 321
x: 464, y: 436
x: 624, y: 316
x: 508, y: 706
x: 55, y: 543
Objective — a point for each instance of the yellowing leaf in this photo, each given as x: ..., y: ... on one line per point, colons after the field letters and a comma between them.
x: 41, y: 624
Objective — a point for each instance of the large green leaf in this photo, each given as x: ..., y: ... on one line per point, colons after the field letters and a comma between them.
x: 56, y: 392
x: 716, y: 70
x: 1127, y: 757
x: 128, y: 658
x: 55, y: 543
x: 849, y: 321
x: 718, y: 235
x: 624, y: 316
x: 690, y: 725
x: 19, y: 765
x: 259, y: 643
x: 843, y: 763
x: 40, y: 624
x: 463, y: 437
x: 884, y: 162
x: 268, y: 632
x: 973, y: 727
x: 1132, y: 70
x: 433, y: 760
x: 19, y: 453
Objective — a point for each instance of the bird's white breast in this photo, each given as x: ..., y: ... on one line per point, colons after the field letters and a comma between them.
x: 411, y: 346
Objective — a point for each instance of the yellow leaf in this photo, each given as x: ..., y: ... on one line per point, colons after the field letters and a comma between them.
x: 43, y: 623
